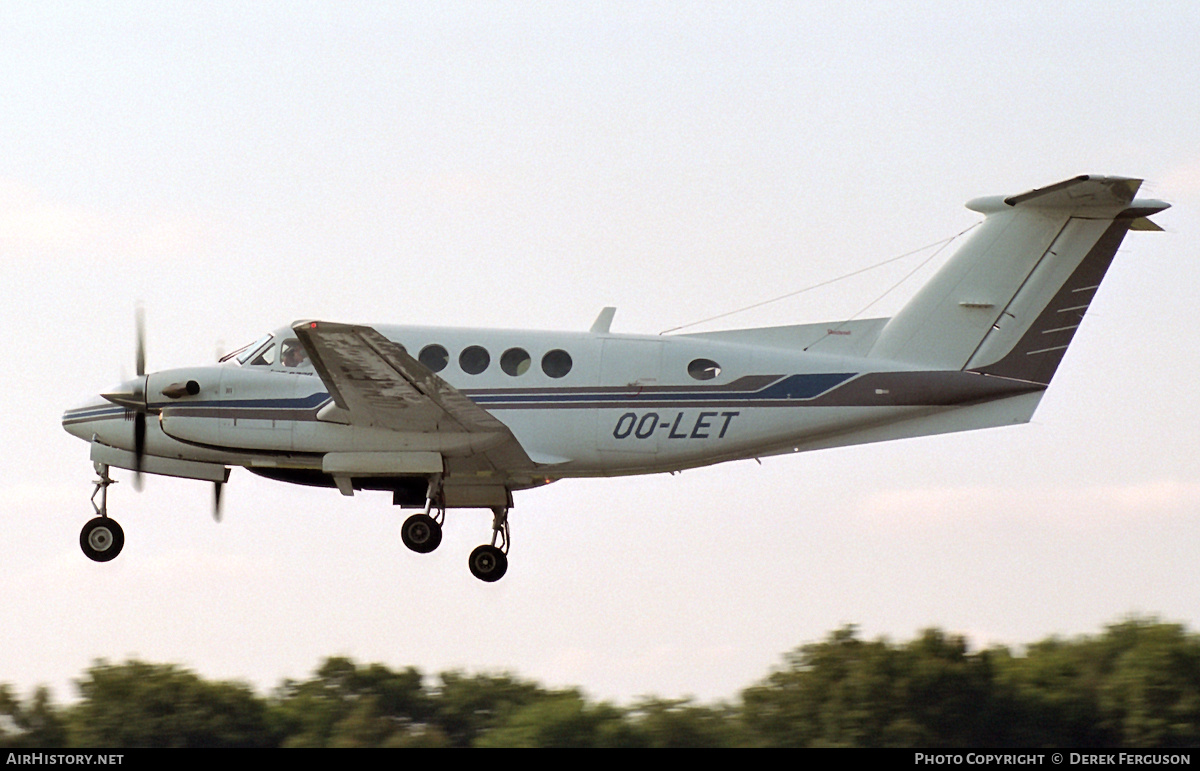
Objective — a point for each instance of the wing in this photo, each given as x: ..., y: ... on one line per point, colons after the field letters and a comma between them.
x: 377, y: 384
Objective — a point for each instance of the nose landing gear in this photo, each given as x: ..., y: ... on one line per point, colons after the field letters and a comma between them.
x: 101, y: 538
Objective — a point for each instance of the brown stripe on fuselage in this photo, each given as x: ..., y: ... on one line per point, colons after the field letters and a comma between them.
x: 921, y: 389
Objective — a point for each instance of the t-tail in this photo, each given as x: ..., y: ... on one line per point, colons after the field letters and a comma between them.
x: 1008, y: 303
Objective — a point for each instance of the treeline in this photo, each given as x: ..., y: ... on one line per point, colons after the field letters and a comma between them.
x: 1135, y: 685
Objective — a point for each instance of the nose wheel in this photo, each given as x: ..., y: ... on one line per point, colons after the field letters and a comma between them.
x: 101, y: 538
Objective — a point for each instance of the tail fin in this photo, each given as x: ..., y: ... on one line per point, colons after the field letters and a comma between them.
x: 1010, y: 299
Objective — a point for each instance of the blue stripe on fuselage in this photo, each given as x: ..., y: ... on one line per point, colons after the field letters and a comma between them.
x: 306, y: 402
x: 791, y: 387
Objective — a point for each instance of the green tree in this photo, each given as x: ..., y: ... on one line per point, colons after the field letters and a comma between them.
x: 561, y: 719
x: 680, y: 723
x: 469, y: 705
x: 345, y: 705
x: 840, y: 692
x: 35, y: 724
x: 950, y: 693
x: 136, y: 704
x: 1054, y: 689
x: 847, y: 692
x: 1136, y: 685
x: 1151, y: 695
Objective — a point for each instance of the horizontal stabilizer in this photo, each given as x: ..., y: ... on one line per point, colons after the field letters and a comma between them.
x: 1083, y: 192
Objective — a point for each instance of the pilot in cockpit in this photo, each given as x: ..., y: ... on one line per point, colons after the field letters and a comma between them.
x: 294, y: 354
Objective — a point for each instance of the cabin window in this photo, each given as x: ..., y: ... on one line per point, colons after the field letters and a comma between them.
x: 556, y: 363
x: 435, y: 357
x: 515, y: 361
x: 704, y: 369
x: 474, y: 359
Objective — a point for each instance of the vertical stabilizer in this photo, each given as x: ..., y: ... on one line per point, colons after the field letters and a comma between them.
x: 1008, y: 302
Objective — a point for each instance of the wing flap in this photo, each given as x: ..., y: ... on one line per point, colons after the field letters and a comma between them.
x: 376, y: 383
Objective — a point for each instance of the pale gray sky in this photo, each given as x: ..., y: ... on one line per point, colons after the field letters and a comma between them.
x: 236, y: 167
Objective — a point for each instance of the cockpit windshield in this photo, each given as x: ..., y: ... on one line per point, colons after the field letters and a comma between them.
x: 261, y: 346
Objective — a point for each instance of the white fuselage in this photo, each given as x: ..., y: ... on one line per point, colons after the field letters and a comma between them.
x: 625, y: 404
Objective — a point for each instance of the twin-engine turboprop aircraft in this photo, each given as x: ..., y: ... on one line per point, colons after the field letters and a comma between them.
x: 461, y: 418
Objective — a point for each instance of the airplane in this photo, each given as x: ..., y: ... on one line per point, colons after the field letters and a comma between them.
x: 454, y: 418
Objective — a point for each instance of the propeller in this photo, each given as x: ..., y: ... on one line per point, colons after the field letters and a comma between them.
x: 139, y: 417
x: 217, y: 501
x: 132, y: 396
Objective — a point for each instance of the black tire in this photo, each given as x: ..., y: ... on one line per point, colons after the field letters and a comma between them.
x: 421, y: 533
x: 488, y: 563
x: 102, y: 539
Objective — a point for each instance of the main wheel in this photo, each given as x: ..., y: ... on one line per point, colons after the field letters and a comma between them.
x: 421, y: 533
x: 488, y: 563
x: 101, y: 539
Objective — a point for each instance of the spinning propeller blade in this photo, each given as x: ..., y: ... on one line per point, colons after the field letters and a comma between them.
x: 139, y: 447
x: 140, y: 316
x: 139, y: 417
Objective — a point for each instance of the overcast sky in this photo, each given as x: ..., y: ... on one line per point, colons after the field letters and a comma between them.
x: 236, y: 166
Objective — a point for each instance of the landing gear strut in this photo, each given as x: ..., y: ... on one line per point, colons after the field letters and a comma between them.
x: 423, y: 532
x: 489, y: 562
x: 101, y: 538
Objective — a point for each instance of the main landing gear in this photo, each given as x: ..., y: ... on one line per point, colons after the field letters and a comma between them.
x: 423, y: 533
x: 101, y: 538
x: 489, y: 562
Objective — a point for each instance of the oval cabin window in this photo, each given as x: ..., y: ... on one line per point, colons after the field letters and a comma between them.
x: 515, y: 361
x: 474, y: 359
x: 556, y: 363
x: 704, y: 369
x: 435, y: 357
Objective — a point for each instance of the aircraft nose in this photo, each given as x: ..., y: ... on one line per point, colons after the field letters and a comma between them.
x: 85, y: 420
x: 131, y: 394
